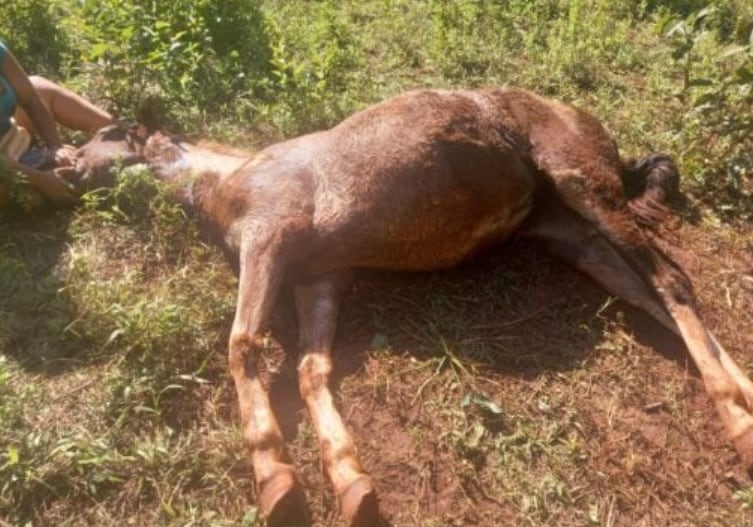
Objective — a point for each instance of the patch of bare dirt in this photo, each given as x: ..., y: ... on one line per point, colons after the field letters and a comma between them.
x: 544, y: 344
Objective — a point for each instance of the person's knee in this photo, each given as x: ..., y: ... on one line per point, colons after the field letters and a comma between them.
x: 40, y: 82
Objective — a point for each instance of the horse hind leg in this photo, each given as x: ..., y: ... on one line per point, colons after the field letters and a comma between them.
x: 317, y: 303
x: 651, y: 182
x: 641, y: 275
x: 578, y: 242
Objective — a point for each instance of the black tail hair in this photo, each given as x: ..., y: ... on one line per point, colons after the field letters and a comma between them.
x: 650, y: 184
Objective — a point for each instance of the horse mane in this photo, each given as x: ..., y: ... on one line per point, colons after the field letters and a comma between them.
x: 220, y: 148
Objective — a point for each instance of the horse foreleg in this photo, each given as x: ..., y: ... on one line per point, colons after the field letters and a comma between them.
x: 658, y: 288
x: 317, y: 304
x: 280, y: 496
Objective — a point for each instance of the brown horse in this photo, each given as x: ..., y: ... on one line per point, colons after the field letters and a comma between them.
x: 422, y: 181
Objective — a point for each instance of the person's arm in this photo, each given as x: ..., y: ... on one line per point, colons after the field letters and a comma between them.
x: 46, y: 181
x: 29, y: 100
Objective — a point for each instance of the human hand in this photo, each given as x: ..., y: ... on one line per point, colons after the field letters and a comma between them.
x: 64, y: 156
x: 54, y: 187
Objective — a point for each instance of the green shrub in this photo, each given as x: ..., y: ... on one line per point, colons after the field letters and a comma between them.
x: 31, y: 28
x: 717, y: 91
x: 196, y: 56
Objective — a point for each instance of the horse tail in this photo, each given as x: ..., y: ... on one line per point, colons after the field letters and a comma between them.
x: 650, y: 183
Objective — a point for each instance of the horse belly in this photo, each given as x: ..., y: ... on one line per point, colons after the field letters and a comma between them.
x: 432, y: 236
x: 456, y: 239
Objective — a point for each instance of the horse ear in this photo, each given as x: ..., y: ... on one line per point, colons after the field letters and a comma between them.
x: 142, y: 132
x: 148, y: 114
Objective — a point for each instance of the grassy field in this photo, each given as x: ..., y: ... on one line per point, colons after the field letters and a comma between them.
x: 511, y: 391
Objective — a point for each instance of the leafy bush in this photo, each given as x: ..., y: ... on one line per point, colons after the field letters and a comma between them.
x: 717, y: 87
x: 196, y: 56
x: 311, y: 68
x: 31, y: 29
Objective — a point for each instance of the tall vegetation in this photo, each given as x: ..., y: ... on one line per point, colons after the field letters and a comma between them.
x: 717, y: 86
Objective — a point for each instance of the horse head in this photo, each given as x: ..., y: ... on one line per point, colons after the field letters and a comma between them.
x: 116, y: 145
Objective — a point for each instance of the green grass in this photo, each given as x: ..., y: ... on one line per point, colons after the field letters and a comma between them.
x: 482, y: 396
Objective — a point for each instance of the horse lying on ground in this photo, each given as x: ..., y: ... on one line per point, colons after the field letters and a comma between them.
x: 422, y: 181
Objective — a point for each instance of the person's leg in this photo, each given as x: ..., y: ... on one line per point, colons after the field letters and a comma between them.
x: 68, y: 109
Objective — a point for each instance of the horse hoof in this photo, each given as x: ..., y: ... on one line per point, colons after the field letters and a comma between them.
x: 358, y: 504
x: 282, y: 501
x: 743, y: 443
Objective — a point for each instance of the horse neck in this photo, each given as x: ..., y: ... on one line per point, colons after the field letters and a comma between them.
x: 183, y: 164
x: 222, y: 164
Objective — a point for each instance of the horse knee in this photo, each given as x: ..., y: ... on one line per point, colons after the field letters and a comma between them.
x: 314, y: 372
x: 243, y: 350
x: 674, y: 285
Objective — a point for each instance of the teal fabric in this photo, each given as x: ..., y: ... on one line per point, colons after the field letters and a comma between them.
x: 7, y: 95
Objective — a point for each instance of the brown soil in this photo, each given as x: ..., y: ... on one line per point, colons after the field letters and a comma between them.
x: 651, y: 449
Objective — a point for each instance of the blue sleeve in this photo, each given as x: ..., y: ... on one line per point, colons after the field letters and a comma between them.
x: 7, y: 95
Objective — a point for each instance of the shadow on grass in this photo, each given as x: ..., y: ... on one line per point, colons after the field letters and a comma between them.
x: 34, y: 312
x: 516, y: 311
